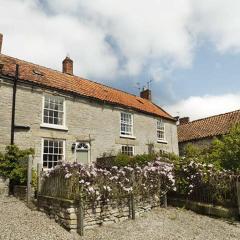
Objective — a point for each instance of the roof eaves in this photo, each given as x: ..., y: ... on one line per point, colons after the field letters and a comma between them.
x: 24, y: 81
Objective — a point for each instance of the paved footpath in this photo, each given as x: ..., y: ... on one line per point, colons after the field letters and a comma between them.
x: 17, y: 222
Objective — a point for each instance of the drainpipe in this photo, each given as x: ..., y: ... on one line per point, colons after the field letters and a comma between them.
x: 14, y: 103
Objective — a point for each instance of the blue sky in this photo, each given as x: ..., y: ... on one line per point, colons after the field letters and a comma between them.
x: 211, y: 73
x: 189, y: 49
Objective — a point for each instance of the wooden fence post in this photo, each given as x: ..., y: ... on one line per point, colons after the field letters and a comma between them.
x: 39, y: 172
x: 132, y: 206
x: 80, y: 217
x: 163, y: 196
x: 238, y: 194
x: 29, y: 180
x: 165, y: 200
x: 129, y: 207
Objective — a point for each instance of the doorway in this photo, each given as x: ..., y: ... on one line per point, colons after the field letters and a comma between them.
x: 82, y: 152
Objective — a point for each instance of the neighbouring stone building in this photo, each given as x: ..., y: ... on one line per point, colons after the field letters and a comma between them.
x: 201, y: 132
x: 65, y: 117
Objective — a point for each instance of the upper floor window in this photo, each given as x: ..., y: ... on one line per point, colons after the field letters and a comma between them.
x: 126, y: 124
x: 53, y: 110
x: 160, y: 130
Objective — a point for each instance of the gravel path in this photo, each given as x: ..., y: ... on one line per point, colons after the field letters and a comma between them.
x: 18, y: 222
x: 174, y: 224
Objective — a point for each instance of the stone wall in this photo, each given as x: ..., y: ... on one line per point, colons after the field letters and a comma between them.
x: 205, y: 209
x: 65, y: 212
x: 4, y: 186
x: 86, y: 120
x: 201, y: 143
x: 20, y: 192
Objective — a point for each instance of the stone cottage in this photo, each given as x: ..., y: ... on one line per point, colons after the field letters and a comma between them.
x: 201, y: 132
x: 65, y: 117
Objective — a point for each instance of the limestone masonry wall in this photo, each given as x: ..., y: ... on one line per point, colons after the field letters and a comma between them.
x: 65, y: 212
x: 4, y: 184
x: 86, y: 120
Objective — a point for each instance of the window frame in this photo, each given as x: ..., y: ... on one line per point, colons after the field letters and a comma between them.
x: 133, y: 150
x: 52, y: 125
x: 52, y: 139
x: 161, y: 130
x: 132, y: 126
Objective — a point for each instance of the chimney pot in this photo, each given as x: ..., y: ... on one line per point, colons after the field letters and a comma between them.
x: 1, y: 41
x: 146, y: 93
x: 184, y: 120
x: 67, y: 66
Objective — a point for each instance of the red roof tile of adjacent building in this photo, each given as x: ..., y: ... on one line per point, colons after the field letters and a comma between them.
x: 36, y: 74
x: 208, y: 127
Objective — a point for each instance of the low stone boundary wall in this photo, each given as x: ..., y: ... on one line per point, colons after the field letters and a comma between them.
x: 65, y: 212
x: 4, y: 186
x: 20, y: 192
x: 206, y: 209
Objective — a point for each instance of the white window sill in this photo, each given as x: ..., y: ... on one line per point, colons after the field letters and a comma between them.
x: 127, y: 136
x: 162, y: 141
x: 52, y: 126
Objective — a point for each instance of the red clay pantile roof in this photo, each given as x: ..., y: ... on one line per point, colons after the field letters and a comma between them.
x: 51, y: 78
x: 208, y: 127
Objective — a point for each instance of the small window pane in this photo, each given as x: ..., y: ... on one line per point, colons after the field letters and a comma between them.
x: 127, y: 150
x: 160, y: 130
x: 52, y: 152
x: 53, y: 110
x: 126, y: 124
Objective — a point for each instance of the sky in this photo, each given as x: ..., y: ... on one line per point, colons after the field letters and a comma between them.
x: 189, y: 50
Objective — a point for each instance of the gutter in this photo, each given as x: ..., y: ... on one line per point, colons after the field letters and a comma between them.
x: 14, y: 103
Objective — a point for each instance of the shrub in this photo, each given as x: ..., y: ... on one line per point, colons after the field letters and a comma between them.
x: 13, y: 164
x: 122, y: 160
x: 227, y: 150
x: 223, y: 153
x: 143, y: 159
x: 205, y: 182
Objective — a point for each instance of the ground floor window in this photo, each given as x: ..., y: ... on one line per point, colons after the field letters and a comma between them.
x: 53, y: 152
x: 128, y: 150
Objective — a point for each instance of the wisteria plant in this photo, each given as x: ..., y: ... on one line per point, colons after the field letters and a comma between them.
x: 96, y: 184
x: 205, y: 182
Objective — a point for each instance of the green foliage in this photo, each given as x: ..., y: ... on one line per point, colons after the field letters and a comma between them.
x: 143, y: 159
x: 223, y: 153
x: 193, y: 151
x: 227, y: 150
x: 13, y: 164
x: 122, y: 160
x: 34, y: 178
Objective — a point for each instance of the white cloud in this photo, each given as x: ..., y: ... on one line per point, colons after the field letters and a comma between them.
x: 197, y: 107
x: 142, y: 32
x: 218, y: 21
x: 145, y: 33
x: 32, y: 35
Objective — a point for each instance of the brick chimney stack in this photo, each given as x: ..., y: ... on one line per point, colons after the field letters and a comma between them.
x: 1, y: 41
x: 146, y: 93
x: 67, y: 66
x: 184, y: 120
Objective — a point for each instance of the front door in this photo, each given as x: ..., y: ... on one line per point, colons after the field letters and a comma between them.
x: 82, y: 157
x: 82, y: 153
